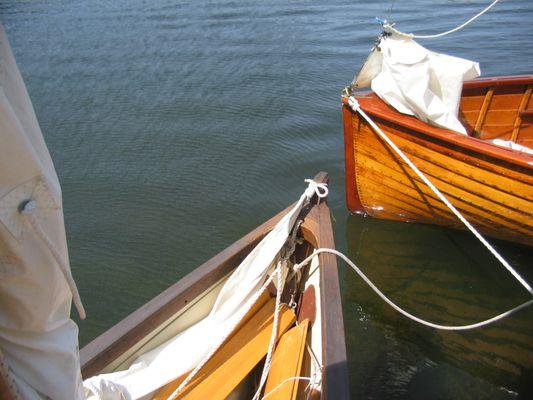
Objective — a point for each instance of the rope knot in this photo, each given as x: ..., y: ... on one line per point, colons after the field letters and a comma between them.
x: 320, y: 189
x: 353, y: 103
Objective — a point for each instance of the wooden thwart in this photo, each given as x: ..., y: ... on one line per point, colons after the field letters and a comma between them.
x: 236, y: 357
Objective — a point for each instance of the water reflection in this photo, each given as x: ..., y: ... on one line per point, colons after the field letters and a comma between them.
x: 446, y: 277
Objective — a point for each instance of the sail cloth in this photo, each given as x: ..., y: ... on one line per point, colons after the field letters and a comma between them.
x: 38, y: 339
x: 182, y: 353
x: 417, y: 81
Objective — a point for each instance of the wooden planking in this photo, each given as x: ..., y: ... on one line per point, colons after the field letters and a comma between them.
x: 335, y: 375
x: 352, y: 194
x: 505, y: 179
x: 498, y: 155
x: 463, y: 190
x: 236, y: 357
x: 497, y: 200
x: 287, y: 362
x: 419, y: 203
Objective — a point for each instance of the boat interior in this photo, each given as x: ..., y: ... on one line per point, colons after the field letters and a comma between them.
x: 234, y: 371
x: 499, y: 108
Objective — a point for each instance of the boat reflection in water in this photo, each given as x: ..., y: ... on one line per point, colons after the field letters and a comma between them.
x: 443, y: 276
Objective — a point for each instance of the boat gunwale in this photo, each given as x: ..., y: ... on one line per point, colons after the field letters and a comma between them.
x: 316, y: 229
x: 376, y: 107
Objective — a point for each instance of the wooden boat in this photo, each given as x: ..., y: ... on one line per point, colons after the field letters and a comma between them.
x: 491, y: 185
x: 317, y: 323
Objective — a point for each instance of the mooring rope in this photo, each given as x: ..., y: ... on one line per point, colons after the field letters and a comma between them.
x: 217, y: 345
x: 390, y: 27
x: 273, y: 334
x: 354, y: 104
x: 402, y: 311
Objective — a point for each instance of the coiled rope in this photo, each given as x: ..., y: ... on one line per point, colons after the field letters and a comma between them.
x: 354, y: 104
x: 389, y: 27
x: 402, y: 311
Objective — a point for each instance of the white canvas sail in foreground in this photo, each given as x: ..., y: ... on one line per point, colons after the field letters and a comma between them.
x: 38, y: 339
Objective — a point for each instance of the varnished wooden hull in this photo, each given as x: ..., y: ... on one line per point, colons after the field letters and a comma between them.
x: 491, y: 186
x: 185, y: 302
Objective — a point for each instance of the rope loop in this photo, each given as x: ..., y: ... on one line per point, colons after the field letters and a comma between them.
x: 320, y: 189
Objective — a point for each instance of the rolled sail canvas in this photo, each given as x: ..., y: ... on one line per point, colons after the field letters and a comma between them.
x: 37, y: 337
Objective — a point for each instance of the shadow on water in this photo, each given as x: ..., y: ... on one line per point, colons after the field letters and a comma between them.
x: 446, y: 277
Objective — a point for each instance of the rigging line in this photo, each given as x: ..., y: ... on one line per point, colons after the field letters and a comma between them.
x: 390, y: 27
x: 354, y: 104
x: 28, y: 213
x: 391, y: 9
x: 402, y: 311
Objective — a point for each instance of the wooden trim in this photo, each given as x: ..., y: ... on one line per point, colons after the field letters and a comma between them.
x: 499, y: 81
x: 521, y: 108
x: 377, y: 108
x: 353, y: 201
x: 483, y: 112
x: 335, y: 380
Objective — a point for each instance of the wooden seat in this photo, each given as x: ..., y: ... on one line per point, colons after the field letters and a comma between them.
x: 287, y: 362
x: 236, y: 358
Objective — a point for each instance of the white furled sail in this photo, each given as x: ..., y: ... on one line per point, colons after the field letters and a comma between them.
x: 417, y: 81
x: 181, y: 354
x: 38, y: 340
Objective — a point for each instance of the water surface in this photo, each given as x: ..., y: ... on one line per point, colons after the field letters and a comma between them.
x: 176, y: 127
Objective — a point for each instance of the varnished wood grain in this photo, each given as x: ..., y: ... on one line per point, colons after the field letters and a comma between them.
x: 491, y: 186
x: 287, y: 362
x: 235, y: 359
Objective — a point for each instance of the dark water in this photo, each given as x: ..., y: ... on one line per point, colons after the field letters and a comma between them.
x: 178, y: 126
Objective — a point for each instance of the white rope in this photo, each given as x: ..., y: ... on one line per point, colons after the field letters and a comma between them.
x: 400, y: 310
x: 274, y: 333
x: 27, y: 213
x: 214, y: 348
x: 320, y: 189
x: 390, y: 28
x: 354, y: 104
x: 292, y: 378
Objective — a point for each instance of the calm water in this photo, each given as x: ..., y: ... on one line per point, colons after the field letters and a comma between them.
x: 176, y: 127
